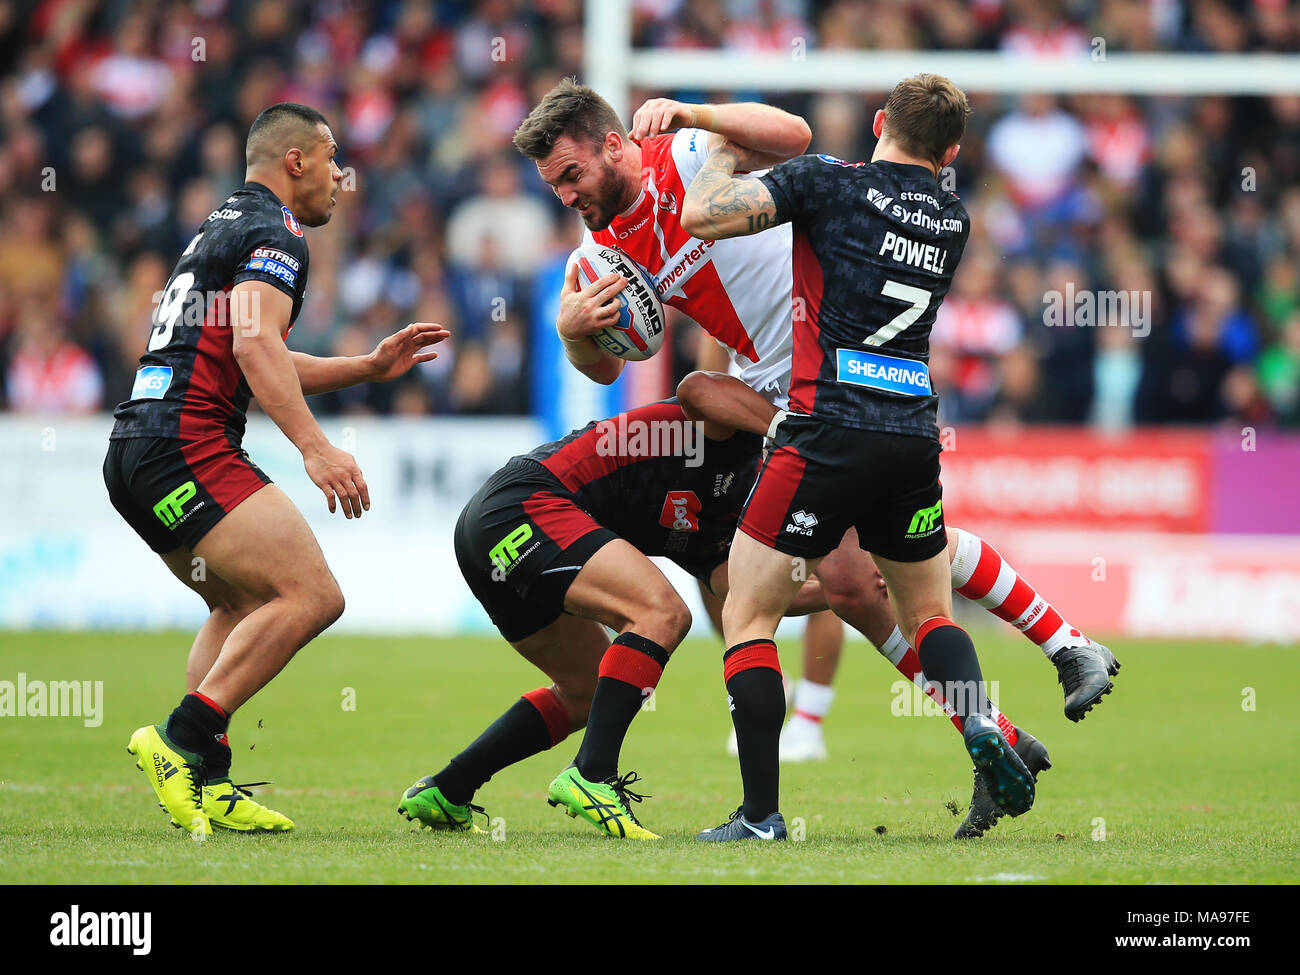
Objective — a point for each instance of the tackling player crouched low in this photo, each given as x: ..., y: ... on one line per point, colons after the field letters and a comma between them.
x: 554, y: 545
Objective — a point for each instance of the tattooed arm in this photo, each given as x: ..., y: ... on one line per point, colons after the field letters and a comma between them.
x: 719, y: 205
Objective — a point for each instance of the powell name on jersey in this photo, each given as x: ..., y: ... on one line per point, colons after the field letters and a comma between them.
x: 874, y: 250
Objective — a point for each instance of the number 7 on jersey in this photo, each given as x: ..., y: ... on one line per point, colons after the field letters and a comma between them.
x: 920, y: 300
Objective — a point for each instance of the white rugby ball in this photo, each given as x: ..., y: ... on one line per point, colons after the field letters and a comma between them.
x: 639, y: 332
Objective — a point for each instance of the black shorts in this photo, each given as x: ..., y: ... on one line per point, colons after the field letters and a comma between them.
x: 820, y: 479
x: 520, y: 542
x: 172, y: 492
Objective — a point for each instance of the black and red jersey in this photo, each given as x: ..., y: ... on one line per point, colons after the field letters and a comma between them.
x: 875, y: 246
x: 189, y: 386
x: 651, y: 476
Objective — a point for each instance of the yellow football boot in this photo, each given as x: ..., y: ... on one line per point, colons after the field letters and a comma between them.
x: 231, y: 806
x: 176, y: 776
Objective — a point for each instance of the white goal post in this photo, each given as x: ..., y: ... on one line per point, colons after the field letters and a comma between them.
x: 613, y: 67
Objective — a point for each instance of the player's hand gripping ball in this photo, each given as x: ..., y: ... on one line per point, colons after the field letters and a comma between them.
x: 639, y: 331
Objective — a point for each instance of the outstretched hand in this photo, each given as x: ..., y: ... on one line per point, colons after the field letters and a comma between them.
x: 395, y: 355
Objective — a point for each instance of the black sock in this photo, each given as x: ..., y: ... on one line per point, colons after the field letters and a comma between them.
x: 948, y: 658
x: 216, y: 764
x: 757, y: 710
x: 514, y: 736
x: 629, y: 672
x: 198, y: 726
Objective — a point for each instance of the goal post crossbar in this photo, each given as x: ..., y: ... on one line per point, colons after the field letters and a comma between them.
x: 980, y: 71
x: 613, y: 67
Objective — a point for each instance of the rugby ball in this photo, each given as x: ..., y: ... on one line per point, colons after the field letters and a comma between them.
x: 639, y: 332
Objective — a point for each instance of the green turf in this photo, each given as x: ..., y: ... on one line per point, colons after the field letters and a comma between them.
x: 1190, y: 787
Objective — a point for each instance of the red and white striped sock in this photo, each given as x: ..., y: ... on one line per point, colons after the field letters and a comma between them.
x: 812, y: 702
x: 981, y: 574
x: 899, y: 653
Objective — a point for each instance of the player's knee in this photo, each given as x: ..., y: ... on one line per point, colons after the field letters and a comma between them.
x: 842, y: 581
x: 680, y: 621
x: 855, y: 602
x: 229, y: 608
x: 668, y: 624
x: 328, y: 605
x: 574, y: 693
x: 914, y: 616
x: 867, y: 610
x: 692, y: 388
x: 850, y: 588
x: 223, y: 615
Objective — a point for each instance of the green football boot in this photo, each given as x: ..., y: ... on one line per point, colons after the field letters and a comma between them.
x: 603, y: 804
x: 424, y: 801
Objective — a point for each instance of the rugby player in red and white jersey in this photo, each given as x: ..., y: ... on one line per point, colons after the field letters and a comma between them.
x: 628, y: 189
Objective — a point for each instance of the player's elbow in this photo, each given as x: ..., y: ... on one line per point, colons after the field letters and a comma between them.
x: 694, y: 222
x: 243, y: 345
x: 605, y: 370
x: 690, y: 219
x: 800, y: 135
x: 250, y: 341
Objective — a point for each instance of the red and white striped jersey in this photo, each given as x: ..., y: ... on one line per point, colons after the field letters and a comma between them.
x: 737, y: 290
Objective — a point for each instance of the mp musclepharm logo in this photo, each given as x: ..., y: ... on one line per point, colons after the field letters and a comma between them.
x: 169, y: 508
x: 923, y: 522
x: 74, y: 929
x: 505, y: 554
x: 25, y: 698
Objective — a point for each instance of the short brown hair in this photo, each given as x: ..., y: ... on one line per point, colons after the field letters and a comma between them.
x: 926, y: 115
x: 567, y: 109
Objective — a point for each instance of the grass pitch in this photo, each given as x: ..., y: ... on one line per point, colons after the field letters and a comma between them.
x: 1169, y: 781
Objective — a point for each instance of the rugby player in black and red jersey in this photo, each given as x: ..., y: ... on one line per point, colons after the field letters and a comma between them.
x: 558, y: 539
x: 176, y: 472
x: 875, y: 247
x: 554, y: 545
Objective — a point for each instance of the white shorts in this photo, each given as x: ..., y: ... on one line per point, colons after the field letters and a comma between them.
x: 771, y: 380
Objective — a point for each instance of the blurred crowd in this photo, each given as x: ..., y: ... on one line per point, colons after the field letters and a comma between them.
x: 1132, y: 260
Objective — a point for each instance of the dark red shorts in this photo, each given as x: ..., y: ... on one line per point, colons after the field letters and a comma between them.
x: 172, y: 492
